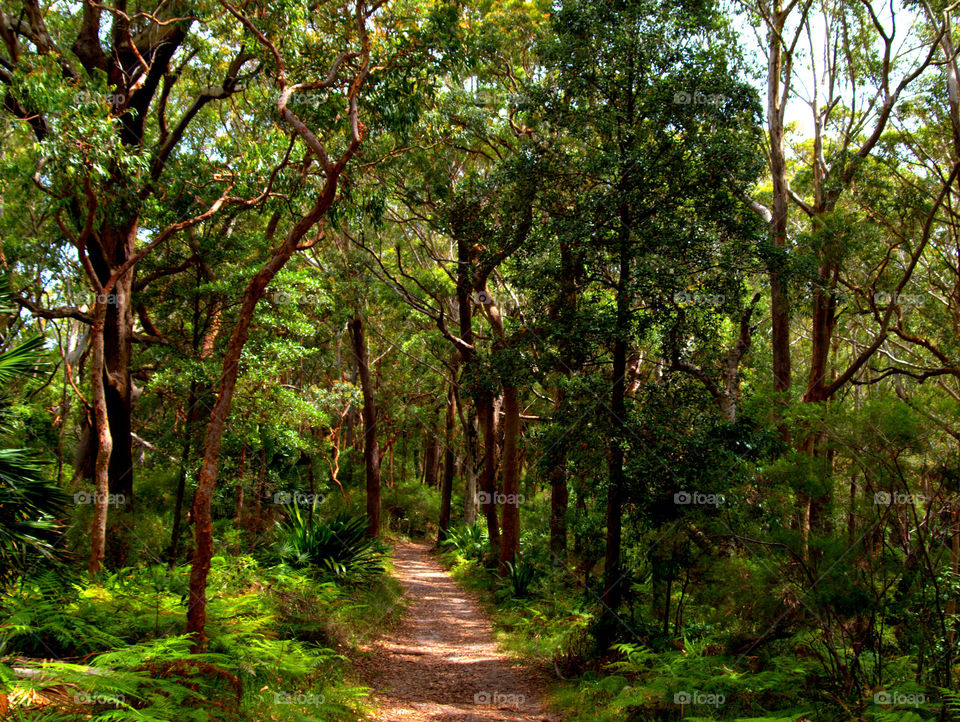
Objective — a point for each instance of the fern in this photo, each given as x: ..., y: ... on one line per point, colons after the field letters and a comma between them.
x: 896, y: 715
x: 39, y: 626
x: 470, y: 542
x: 951, y: 700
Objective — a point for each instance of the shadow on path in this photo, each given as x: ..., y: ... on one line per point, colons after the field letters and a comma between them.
x: 440, y: 662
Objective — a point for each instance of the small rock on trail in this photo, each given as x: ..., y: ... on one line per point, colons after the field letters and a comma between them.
x: 440, y: 662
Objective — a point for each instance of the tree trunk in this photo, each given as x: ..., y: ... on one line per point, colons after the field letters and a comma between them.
x: 779, y: 300
x: 511, y: 434
x: 371, y: 452
x: 191, y: 417
x: 446, y: 491
x: 238, y: 487
x: 351, y: 442
x: 579, y: 543
x: 612, y: 588
x: 390, y: 446
x: 466, y: 255
x: 101, y: 498
x: 230, y: 369
x: 258, y: 493
x: 116, y: 245
x: 612, y: 576
x: 559, y: 493
x: 564, y: 311
x: 470, y: 467
x: 431, y: 461
x: 510, y: 537
x: 954, y: 516
x: 488, y: 475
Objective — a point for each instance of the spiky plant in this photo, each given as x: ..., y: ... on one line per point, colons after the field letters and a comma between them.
x: 30, y: 507
x: 336, y: 547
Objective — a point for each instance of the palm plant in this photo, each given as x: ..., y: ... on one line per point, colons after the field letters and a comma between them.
x: 468, y: 541
x: 29, y: 506
x: 337, y: 547
x: 520, y: 576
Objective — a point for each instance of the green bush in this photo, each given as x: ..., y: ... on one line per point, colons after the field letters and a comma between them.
x: 412, y: 509
x: 470, y: 542
x: 277, y: 637
x: 337, y: 548
x: 519, y: 578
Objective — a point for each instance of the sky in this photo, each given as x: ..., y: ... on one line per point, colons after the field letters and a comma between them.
x: 809, y: 66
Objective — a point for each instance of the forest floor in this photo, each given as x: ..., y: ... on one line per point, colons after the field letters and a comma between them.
x: 440, y: 662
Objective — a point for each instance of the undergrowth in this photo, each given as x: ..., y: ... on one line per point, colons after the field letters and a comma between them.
x: 542, y: 613
x: 279, y: 637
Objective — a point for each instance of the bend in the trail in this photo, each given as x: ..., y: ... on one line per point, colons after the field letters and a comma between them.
x: 440, y: 661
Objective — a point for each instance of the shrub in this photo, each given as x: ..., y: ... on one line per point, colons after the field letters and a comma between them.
x: 520, y: 576
x: 470, y: 542
x: 338, y: 548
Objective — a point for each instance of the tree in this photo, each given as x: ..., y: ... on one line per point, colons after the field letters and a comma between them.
x: 351, y: 43
x: 371, y: 448
x: 649, y: 113
x: 111, y: 99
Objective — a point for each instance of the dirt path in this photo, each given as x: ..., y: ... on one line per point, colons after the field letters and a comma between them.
x: 440, y: 662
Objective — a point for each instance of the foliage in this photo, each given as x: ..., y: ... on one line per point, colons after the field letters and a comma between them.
x: 337, y: 548
x: 583, y: 203
x: 470, y: 542
x: 31, y: 508
x: 520, y: 577
x: 272, y: 647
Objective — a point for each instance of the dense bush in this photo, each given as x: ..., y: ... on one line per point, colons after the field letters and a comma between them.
x: 337, y: 548
x: 277, y: 640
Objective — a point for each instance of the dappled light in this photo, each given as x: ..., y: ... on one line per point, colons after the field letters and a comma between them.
x: 530, y: 360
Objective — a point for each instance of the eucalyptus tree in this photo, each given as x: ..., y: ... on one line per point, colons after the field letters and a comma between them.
x: 845, y: 69
x: 356, y: 61
x: 447, y: 252
x: 645, y: 100
x: 113, y: 98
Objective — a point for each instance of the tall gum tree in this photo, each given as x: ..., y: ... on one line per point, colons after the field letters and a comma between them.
x: 118, y: 92
x: 356, y: 38
x: 864, y: 58
x: 651, y: 115
x: 468, y: 133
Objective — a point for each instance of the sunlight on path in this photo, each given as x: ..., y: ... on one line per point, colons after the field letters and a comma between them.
x: 441, y: 662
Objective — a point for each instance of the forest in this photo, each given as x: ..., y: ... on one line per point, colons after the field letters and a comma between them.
x: 527, y: 360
